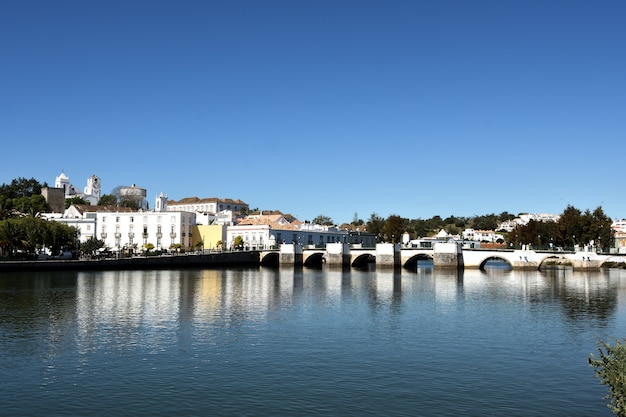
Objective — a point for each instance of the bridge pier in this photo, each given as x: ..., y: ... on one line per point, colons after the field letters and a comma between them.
x: 337, y: 254
x: 448, y: 255
x: 586, y: 260
x: 388, y: 255
x: 290, y: 255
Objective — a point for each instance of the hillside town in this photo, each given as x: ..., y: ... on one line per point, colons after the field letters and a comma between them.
x: 211, y: 223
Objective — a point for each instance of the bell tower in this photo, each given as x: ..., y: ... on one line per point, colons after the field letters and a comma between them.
x: 161, y: 203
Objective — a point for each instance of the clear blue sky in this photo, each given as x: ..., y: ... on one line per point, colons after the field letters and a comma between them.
x: 415, y: 108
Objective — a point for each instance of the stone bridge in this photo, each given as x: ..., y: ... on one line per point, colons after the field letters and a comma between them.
x: 444, y: 255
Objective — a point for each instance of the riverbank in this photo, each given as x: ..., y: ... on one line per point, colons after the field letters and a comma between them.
x: 191, y: 260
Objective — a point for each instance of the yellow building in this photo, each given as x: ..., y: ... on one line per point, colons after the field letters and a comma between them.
x: 207, y: 237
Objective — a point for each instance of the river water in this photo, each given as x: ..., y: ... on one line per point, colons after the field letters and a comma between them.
x: 285, y: 342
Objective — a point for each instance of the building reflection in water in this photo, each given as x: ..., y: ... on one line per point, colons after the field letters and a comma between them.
x: 116, y: 304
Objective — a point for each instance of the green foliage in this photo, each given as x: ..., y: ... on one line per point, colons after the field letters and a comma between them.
x: 92, y: 245
x: 394, y: 228
x: 356, y: 221
x: 376, y: 225
x: 22, y: 197
x: 610, y: 368
x: 28, y: 235
x: 107, y: 200
x: 322, y: 220
x: 238, y: 242
x: 21, y: 187
x: 573, y: 228
x: 75, y: 200
x: 134, y: 205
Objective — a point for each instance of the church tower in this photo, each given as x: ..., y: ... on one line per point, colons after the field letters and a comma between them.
x: 63, y: 181
x: 161, y: 203
x: 93, y: 187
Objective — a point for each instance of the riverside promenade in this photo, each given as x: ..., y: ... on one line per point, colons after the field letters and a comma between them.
x: 190, y: 260
x: 443, y: 255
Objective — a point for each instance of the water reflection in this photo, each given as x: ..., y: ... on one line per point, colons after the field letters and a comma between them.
x: 252, y: 338
x: 160, y: 300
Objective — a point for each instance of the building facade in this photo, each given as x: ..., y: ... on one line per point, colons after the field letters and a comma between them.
x: 211, y: 205
x: 266, y: 236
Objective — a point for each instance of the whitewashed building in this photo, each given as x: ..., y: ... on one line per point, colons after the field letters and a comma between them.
x: 83, y: 217
x: 211, y: 205
x: 266, y: 236
x: 163, y: 229
x: 482, y: 236
x: 523, y: 220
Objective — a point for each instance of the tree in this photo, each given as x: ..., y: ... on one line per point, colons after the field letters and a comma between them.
x: 238, y: 242
x: 59, y: 236
x: 75, y: 200
x: 356, y: 221
x: 375, y: 225
x: 107, y: 200
x: 11, y: 236
x: 394, y: 228
x: 91, y: 246
x: 21, y: 187
x: 610, y: 368
x: 322, y: 220
x: 486, y: 222
x: 569, y: 230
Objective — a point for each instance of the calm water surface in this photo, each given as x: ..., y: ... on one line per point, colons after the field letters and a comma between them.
x: 261, y: 342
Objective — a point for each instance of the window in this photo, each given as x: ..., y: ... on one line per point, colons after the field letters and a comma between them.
x: 117, y: 219
x: 132, y: 219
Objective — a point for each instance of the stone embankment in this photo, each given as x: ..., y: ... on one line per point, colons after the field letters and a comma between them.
x: 147, y: 262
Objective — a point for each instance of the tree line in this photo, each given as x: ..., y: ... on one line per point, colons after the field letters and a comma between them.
x: 574, y: 228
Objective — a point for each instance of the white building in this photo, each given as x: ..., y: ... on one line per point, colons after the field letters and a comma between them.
x: 83, y: 217
x: 210, y: 210
x: 523, y: 220
x: 122, y: 228
x: 482, y: 235
x: 211, y: 205
x: 163, y: 229
x: 619, y: 225
x: 225, y: 218
x: 265, y: 236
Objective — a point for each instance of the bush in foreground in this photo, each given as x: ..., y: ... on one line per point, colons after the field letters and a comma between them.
x: 610, y: 368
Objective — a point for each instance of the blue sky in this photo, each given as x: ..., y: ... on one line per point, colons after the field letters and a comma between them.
x: 415, y: 108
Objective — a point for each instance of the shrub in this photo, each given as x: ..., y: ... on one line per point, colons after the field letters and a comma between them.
x: 610, y: 368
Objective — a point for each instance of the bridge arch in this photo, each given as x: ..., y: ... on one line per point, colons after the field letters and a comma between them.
x: 483, y: 264
x: 557, y: 259
x: 362, y: 260
x: 270, y: 258
x: 412, y: 262
x: 314, y: 259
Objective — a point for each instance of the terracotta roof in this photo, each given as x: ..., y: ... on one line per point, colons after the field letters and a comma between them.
x: 196, y: 200
x: 86, y: 208
x: 276, y: 221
